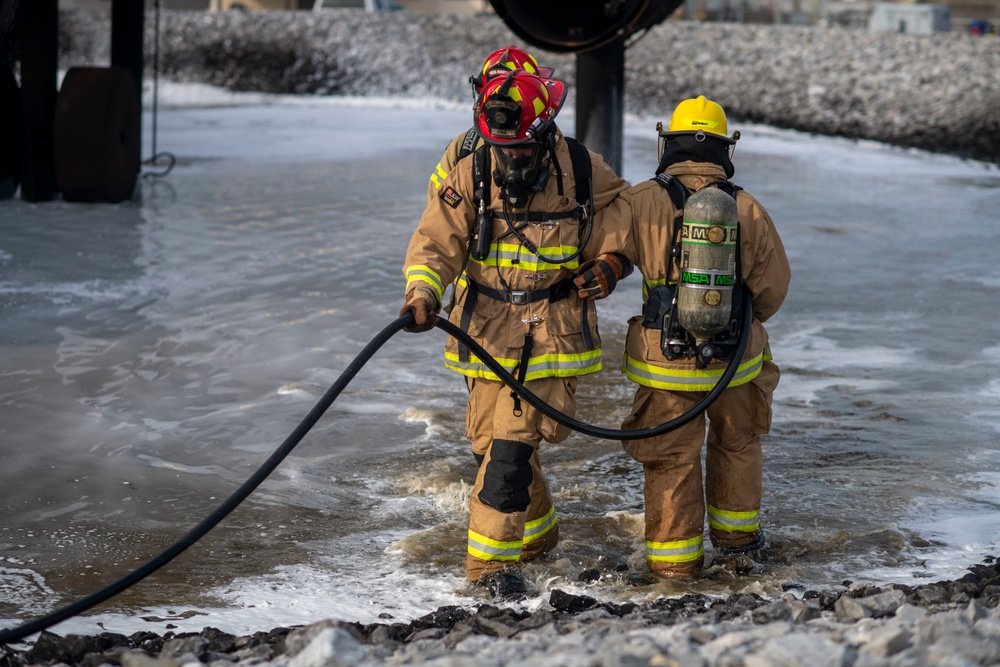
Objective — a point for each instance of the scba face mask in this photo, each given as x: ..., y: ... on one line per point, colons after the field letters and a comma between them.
x: 520, y: 171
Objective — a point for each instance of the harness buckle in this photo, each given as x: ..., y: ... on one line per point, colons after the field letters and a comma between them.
x: 519, y: 297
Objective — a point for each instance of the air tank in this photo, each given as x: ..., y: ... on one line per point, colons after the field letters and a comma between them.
x: 708, y: 263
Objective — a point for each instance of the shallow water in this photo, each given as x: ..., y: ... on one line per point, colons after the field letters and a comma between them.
x: 154, y: 353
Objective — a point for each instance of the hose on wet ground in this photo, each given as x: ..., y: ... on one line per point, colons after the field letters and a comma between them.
x: 18, y: 633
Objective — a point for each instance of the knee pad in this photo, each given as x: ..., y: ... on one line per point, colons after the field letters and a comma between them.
x: 507, y: 477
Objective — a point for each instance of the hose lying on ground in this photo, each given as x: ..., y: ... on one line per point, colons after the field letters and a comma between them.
x: 211, y: 521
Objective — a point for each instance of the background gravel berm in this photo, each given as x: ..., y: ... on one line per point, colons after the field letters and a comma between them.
x: 937, y: 92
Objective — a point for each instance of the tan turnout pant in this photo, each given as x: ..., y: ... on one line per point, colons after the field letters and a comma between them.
x: 675, y: 498
x: 511, y: 516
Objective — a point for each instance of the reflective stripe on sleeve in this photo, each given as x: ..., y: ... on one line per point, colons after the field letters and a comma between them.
x: 427, y: 275
x: 485, y: 548
x: 740, y: 522
x: 438, y: 176
x: 681, y: 551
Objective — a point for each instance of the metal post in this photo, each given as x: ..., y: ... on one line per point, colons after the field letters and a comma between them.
x: 127, y: 29
x: 600, y: 100
x: 39, y: 73
x: 127, y: 26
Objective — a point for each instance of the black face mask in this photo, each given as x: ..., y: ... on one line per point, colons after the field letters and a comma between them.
x: 686, y: 147
x: 518, y: 177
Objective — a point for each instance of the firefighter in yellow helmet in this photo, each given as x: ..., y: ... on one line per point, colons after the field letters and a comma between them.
x: 675, y: 369
x: 516, y: 223
x: 500, y: 62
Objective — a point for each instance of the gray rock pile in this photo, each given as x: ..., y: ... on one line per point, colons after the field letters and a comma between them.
x: 950, y: 623
x: 937, y: 92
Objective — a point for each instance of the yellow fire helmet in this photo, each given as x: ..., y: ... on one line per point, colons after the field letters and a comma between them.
x: 700, y: 115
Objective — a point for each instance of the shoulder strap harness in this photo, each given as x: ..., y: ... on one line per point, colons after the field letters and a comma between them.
x: 482, y: 238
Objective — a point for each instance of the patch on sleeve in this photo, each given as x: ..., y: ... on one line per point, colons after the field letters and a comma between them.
x: 450, y: 197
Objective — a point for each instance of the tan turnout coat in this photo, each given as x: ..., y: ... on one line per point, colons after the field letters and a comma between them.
x: 439, y: 246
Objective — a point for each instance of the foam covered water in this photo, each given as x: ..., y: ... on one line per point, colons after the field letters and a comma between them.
x: 154, y: 353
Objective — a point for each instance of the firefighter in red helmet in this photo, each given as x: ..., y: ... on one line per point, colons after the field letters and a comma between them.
x: 501, y: 61
x: 516, y: 223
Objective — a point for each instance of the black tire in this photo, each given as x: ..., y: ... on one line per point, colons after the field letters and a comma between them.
x: 96, y: 134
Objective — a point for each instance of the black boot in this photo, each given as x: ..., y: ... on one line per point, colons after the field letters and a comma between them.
x: 744, y: 559
x: 504, y: 585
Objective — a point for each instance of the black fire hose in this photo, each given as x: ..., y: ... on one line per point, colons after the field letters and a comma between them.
x: 211, y: 521
x: 231, y: 503
x: 611, y: 433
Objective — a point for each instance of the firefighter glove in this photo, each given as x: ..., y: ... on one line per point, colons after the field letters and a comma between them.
x: 596, y: 278
x: 422, y: 302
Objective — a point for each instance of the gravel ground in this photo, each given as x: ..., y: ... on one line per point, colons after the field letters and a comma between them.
x: 937, y: 92
x: 942, y: 624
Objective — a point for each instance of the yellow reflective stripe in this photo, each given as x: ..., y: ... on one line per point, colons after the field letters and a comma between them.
x: 563, y: 365
x: 515, y: 256
x: 741, y: 522
x: 647, y: 285
x: 681, y: 551
x: 484, y: 548
x: 438, y: 176
x: 542, y: 366
x: 537, y: 529
x: 476, y: 368
x: 674, y: 379
x: 425, y: 274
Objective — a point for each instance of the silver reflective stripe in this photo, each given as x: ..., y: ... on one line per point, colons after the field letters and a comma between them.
x: 681, y: 380
x: 564, y: 362
x: 744, y: 522
x: 486, y: 549
x: 681, y: 551
x: 539, y: 527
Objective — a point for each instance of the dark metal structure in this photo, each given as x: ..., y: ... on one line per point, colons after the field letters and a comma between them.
x: 596, y: 31
x: 83, y: 140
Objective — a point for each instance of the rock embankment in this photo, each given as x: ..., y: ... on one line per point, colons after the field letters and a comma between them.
x: 937, y: 92
x: 936, y: 624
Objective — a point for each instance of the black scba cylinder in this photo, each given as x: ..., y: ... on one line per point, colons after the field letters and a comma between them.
x: 566, y: 26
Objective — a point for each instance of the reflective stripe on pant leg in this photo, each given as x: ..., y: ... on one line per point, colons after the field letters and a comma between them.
x: 734, y: 466
x: 484, y: 548
x: 733, y: 522
x: 681, y: 551
x: 539, y: 528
